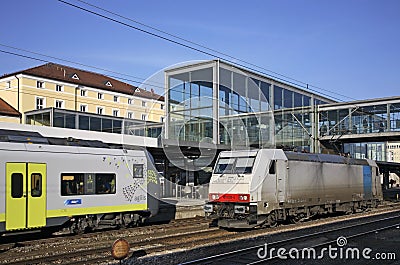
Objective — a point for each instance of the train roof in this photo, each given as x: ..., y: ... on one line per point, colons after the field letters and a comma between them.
x: 290, y: 155
x: 312, y: 157
x: 14, y: 136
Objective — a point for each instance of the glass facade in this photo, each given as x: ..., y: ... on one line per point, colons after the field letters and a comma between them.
x: 293, y: 129
x: 372, y: 118
x: 350, y: 124
x: 91, y: 122
x: 191, y: 105
x: 219, y: 103
x: 372, y: 150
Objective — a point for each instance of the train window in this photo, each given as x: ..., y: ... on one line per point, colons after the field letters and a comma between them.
x: 36, y: 184
x: 272, y: 167
x: 72, y: 184
x: 87, y: 183
x: 105, y: 183
x: 138, y: 171
x: 244, y: 165
x: 16, y: 185
x: 89, y: 187
x: 224, y: 165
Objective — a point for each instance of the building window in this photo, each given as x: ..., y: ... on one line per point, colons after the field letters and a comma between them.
x: 75, y: 76
x: 115, y: 113
x: 144, y: 117
x: 39, y: 84
x: 59, y: 88
x: 108, y: 83
x: 8, y: 84
x: 59, y: 104
x: 100, y: 95
x: 40, y: 103
x: 83, y: 93
x: 100, y: 110
x: 130, y: 115
x: 161, y: 119
x: 143, y: 103
x: 83, y: 108
x: 162, y: 106
x: 116, y: 99
x: 130, y: 101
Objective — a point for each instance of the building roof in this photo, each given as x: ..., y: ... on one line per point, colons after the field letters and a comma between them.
x: 86, y: 78
x: 249, y: 72
x: 7, y: 110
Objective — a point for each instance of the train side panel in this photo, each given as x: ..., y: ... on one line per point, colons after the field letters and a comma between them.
x: 313, y: 182
x: 76, y: 182
x: 289, y: 186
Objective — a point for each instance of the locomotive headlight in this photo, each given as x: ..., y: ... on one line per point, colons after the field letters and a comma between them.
x: 214, y: 197
x: 244, y: 197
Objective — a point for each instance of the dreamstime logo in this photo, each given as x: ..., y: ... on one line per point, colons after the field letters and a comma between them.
x: 340, y: 251
x: 341, y: 241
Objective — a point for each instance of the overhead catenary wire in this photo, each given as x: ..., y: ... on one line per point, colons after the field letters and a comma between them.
x: 161, y: 85
x: 213, y: 55
x: 211, y: 49
x: 113, y: 76
x: 38, y: 59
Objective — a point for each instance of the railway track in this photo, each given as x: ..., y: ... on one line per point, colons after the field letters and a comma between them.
x: 55, y: 249
x: 151, y: 242
x: 307, y: 243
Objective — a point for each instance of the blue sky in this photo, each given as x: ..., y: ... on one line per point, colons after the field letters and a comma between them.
x: 350, y: 47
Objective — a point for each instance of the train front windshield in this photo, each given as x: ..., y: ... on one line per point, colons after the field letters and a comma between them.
x: 234, y: 165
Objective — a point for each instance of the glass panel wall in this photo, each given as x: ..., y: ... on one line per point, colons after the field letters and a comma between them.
x: 242, y: 99
x: 293, y: 130
x: 278, y: 98
x: 92, y: 122
x: 191, y: 106
x: 394, y: 116
x: 374, y: 151
x: 245, y: 117
x: 357, y: 120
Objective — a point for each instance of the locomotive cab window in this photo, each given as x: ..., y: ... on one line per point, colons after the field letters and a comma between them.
x: 36, y: 184
x: 234, y: 165
x: 224, y: 165
x: 244, y: 165
x: 138, y: 171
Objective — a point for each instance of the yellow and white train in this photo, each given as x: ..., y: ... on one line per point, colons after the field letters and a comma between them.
x: 65, y: 183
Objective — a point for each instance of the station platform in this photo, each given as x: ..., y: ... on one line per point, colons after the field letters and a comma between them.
x: 182, y: 208
x: 392, y: 194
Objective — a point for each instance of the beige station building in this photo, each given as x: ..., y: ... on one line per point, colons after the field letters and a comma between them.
x: 61, y: 96
x: 393, y: 155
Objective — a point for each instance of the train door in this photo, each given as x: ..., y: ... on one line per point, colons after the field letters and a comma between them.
x: 25, y: 195
x: 367, y: 180
x: 281, y: 175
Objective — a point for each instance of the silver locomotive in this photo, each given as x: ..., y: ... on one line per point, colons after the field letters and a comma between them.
x: 267, y: 186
